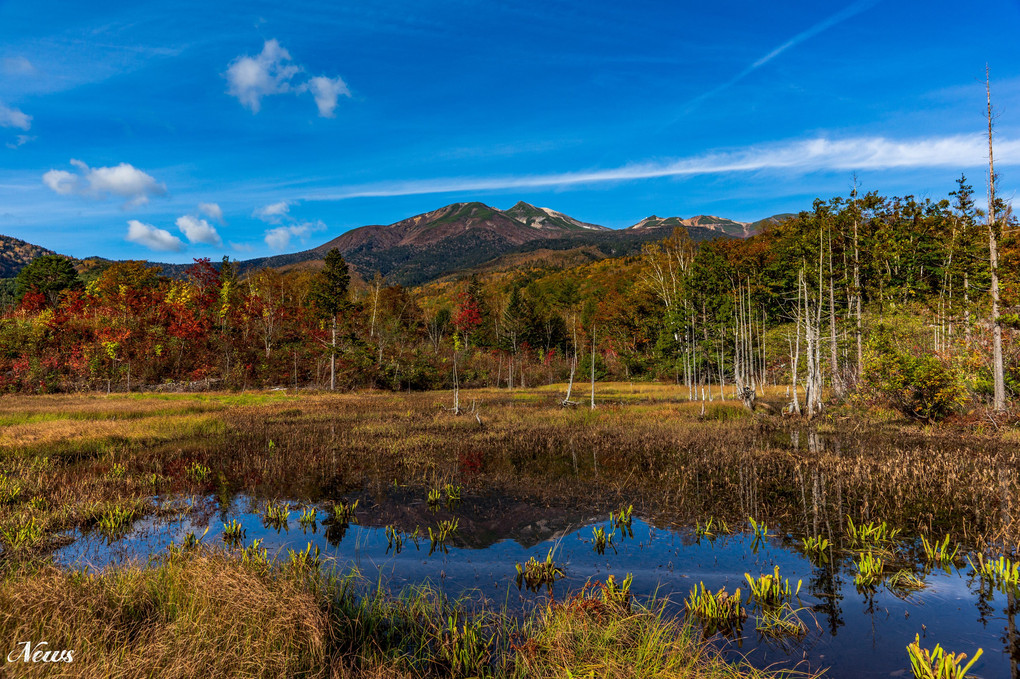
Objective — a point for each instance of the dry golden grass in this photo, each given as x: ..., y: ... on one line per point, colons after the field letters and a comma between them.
x: 56, y: 431
x: 206, y: 616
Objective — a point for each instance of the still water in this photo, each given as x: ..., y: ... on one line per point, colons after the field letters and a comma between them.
x: 852, y: 633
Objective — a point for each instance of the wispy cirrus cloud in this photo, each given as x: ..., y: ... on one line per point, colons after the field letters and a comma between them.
x: 798, y: 157
x: 18, y: 65
x: 20, y: 140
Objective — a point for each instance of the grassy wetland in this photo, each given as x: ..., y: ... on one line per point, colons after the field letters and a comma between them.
x: 379, y: 534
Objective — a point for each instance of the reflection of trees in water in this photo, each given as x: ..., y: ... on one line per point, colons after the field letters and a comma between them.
x: 826, y: 585
x: 335, y: 532
x: 1011, y: 642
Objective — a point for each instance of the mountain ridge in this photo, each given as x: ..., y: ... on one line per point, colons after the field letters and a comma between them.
x: 467, y: 235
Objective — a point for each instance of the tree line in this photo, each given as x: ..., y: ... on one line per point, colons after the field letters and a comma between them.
x: 863, y: 294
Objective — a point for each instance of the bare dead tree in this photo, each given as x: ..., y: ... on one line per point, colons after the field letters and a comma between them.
x: 998, y: 372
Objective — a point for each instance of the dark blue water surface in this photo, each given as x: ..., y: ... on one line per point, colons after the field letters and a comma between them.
x: 852, y: 633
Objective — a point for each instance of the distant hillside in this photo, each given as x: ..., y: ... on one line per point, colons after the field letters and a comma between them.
x: 458, y: 238
x: 15, y: 254
x: 720, y: 225
x: 465, y: 237
x: 761, y: 224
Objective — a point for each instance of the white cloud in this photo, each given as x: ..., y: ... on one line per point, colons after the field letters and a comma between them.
x: 124, y: 181
x: 12, y: 117
x: 797, y: 157
x: 273, y: 71
x: 278, y: 239
x: 251, y: 78
x: 212, y: 211
x: 326, y: 91
x: 198, y: 230
x: 18, y: 66
x: 149, y: 236
x: 274, y: 213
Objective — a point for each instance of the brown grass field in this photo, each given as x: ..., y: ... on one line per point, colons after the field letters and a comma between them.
x: 76, y: 461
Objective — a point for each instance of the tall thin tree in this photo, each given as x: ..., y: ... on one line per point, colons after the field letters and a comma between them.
x: 999, y: 396
x: 330, y: 293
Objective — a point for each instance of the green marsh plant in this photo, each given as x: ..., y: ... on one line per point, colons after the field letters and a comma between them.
x: 22, y: 535
x: 306, y: 560
x: 770, y: 589
x: 870, y: 535
x: 198, y: 472
x: 717, y: 611
x: 255, y: 555
x: 465, y: 647
x: 276, y: 516
x: 116, y: 521
x: 344, y: 512
x: 760, y: 531
x: 938, y: 553
x: 711, y: 529
x: 307, y: 518
x: 817, y: 549
x: 233, y: 533
x: 600, y: 539
x: 439, y: 538
x: 394, y: 540
x: 534, y: 573
x: 452, y: 495
x: 870, y: 569
x: 905, y: 582
x: 780, y: 622
x: 617, y: 595
x: 1002, y: 572
x: 622, y: 520
x: 10, y: 490
x: 937, y: 664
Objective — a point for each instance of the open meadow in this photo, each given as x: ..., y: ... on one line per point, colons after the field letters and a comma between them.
x: 379, y: 534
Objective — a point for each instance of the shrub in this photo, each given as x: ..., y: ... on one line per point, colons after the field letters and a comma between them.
x: 920, y: 385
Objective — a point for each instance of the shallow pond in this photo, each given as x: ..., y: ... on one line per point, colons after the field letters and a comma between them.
x: 853, y: 633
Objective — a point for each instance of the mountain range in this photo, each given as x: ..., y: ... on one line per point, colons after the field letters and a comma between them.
x: 463, y: 237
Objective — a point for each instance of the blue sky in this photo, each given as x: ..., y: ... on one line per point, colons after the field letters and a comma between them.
x: 170, y: 131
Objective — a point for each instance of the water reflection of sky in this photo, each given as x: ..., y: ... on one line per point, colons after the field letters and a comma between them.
x: 853, y: 634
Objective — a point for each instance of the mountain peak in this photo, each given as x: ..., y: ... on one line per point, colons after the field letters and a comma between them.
x: 547, y: 219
